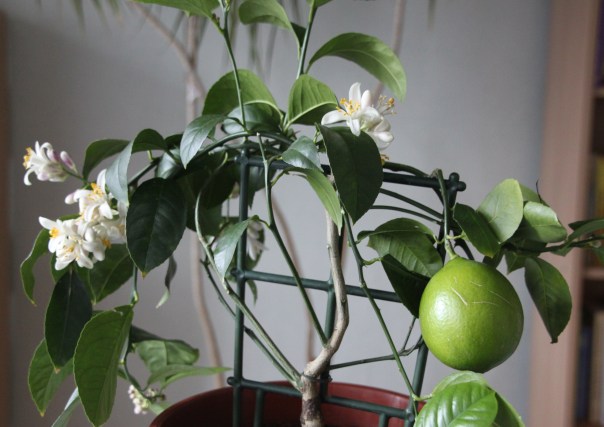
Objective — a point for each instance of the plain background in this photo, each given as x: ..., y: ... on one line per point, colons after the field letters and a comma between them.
x: 474, y: 105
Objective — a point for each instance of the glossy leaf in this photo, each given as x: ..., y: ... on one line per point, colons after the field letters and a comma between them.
x: 540, y: 223
x: 226, y: 245
x: 309, y: 101
x: 117, y: 172
x: 155, y: 222
x: 506, y: 414
x: 171, y: 373
x: 43, y: 379
x: 468, y: 404
x: 325, y: 192
x: 26, y: 269
x: 409, y: 286
x: 459, y: 377
x: 303, y: 153
x: 196, y: 134
x: 258, y: 118
x: 72, y: 403
x: 159, y: 353
x: 108, y: 275
x: 412, y: 249
x: 583, y: 228
x: 170, y: 274
x: 514, y: 261
x: 356, y: 167
x: 503, y: 209
x: 477, y: 229
x: 403, y: 225
x: 99, y: 151
x: 371, y: 54
x: 264, y: 11
x: 97, y: 359
x: 550, y: 293
x: 68, y: 311
x: 194, y: 7
x: 222, y: 97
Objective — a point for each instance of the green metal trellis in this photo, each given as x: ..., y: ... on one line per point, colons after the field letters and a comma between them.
x: 242, y: 275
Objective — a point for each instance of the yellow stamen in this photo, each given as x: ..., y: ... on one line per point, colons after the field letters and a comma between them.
x: 54, y: 232
x: 27, y: 157
x: 96, y: 189
x: 106, y: 243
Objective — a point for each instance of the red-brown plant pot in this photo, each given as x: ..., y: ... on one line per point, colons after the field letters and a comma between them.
x: 214, y: 408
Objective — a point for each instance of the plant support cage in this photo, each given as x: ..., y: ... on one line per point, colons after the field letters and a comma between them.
x: 240, y: 382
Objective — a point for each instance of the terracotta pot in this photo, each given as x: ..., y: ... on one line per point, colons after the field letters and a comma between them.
x: 213, y: 408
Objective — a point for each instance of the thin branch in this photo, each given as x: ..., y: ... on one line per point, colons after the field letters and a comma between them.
x: 311, y: 414
x: 179, y: 48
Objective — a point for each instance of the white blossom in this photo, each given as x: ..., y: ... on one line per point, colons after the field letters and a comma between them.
x: 44, y: 161
x: 94, y: 203
x: 142, y: 401
x: 255, y: 243
x: 73, y: 240
x: 360, y: 115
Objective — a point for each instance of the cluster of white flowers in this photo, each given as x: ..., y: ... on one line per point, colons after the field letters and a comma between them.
x: 47, y: 164
x: 101, y: 222
x: 360, y: 114
x: 142, y: 401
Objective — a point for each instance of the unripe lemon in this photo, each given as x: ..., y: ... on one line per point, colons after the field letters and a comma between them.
x: 470, y: 316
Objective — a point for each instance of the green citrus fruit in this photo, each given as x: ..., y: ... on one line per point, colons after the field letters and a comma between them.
x: 470, y: 316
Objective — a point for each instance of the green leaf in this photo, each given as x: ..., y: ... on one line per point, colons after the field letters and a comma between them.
x: 503, y: 209
x: 582, y: 228
x: 170, y: 373
x: 326, y: 193
x: 196, y: 134
x: 155, y: 222
x: 68, y: 311
x: 72, y: 403
x: 226, y: 245
x: 264, y: 11
x: 159, y: 353
x: 194, y: 7
x: 507, y: 416
x: 258, y: 118
x: 28, y: 279
x: 303, y: 153
x: 550, y: 293
x: 170, y: 274
x: 459, y: 377
x: 222, y: 97
x: 514, y: 261
x: 398, y: 225
x: 309, y: 100
x: 43, y: 379
x: 540, y: 223
x: 116, y: 177
x: 356, y: 167
x: 407, y: 285
x: 318, y: 3
x: 467, y: 404
x: 412, y: 249
x: 99, y: 151
x: 97, y: 360
x: 371, y: 54
x: 108, y: 275
x: 117, y: 172
x: 477, y: 229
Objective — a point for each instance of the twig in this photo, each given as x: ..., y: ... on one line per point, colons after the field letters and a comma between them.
x: 311, y: 414
x: 179, y: 48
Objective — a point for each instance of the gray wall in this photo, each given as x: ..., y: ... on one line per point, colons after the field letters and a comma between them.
x: 474, y: 105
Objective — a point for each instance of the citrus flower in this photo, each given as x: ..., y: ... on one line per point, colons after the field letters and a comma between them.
x: 142, y: 401
x: 73, y: 240
x: 94, y: 203
x: 360, y: 115
x: 44, y: 161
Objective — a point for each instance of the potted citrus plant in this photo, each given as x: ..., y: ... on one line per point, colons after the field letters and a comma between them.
x: 127, y: 224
